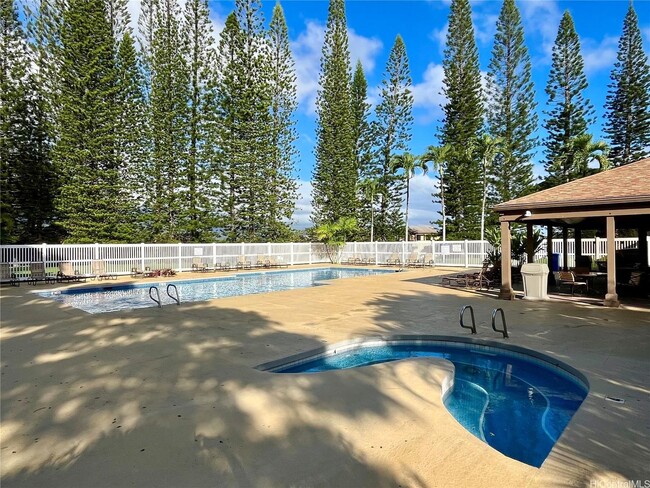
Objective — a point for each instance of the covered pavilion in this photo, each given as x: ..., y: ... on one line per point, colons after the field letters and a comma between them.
x: 615, y: 199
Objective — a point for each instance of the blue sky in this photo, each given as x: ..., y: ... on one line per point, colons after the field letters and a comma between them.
x: 372, y: 27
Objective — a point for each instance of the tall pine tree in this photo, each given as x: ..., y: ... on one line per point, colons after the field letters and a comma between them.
x: 168, y: 111
x: 392, y: 134
x: 363, y: 152
x: 225, y: 127
x: 462, y: 122
x: 627, y: 109
x: 91, y: 194
x: 26, y: 176
x: 569, y: 114
x: 196, y: 211
x: 283, y: 129
x: 511, y: 114
x: 335, y: 172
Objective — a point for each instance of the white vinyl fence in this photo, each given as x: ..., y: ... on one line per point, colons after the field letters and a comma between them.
x: 120, y: 258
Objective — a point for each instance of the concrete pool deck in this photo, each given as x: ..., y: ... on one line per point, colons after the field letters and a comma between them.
x: 170, y: 397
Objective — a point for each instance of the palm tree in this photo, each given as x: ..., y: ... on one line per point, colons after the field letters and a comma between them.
x: 409, y: 163
x: 439, y: 157
x: 486, y: 148
x: 368, y: 187
x: 584, y: 150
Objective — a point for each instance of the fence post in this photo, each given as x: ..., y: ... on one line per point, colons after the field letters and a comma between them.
x: 310, y: 260
x: 142, y: 256
x: 44, y: 253
x: 180, y: 256
x: 403, y: 252
x: 96, y: 250
x: 354, y: 247
x: 376, y: 253
x: 597, y: 248
x: 291, y: 250
x: 214, y: 253
x: 466, y: 254
x: 243, y: 249
x: 433, y: 252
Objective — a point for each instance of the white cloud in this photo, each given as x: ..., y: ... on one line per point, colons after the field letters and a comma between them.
x: 542, y: 17
x: 485, y: 26
x: 307, y: 50
x: 422, y: 210
x: 304, y: 207
x: 440, y: 37
x: 428, y: 93
x: 599, y: 55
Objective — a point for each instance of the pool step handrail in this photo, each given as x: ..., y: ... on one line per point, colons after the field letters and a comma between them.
x: 471, y: 312
x: 504, y: 331
x: 157, y: 300
x: 176, y: 298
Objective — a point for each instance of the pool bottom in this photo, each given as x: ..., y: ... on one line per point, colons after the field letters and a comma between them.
x: 517, y: 401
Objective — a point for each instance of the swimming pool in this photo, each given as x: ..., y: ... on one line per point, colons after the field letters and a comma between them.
x: 124, y: 297
x: 515, y: 400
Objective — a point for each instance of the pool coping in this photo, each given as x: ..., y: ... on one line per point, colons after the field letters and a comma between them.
x: 420, y: 339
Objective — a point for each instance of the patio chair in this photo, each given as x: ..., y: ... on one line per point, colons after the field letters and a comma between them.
x: 99, y: 270
x: 68, y: 273
x: 414, y: 261
x: 369, y: 261
x: 393, y: 260
x: 198, y: 265
x: 352, y: 260
x: 136, y: 272
x: 243, y: 263
x: 37, y: 273
x: 567, y: 278
x: 484, y: 279
x: 276, y: 262
x: 458, y: 280
x: 6, y: 276
x: 428, y: 260
x: 262, y: 261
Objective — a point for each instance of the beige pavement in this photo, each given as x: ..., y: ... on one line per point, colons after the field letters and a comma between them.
x: 170, y: 397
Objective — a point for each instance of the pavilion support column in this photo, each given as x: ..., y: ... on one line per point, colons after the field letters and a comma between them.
x: 549, y: 254
x: 565, y: 248
x: 611, y: 298
x: 577, y: 239
x: 530, y: 251
x: 506, y: 292
x: 643, y: 247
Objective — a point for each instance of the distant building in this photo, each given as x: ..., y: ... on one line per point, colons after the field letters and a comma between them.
x: 423, y: 233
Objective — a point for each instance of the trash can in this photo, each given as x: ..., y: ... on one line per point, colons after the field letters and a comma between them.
x: 535, y: 277
x: 555, y: 262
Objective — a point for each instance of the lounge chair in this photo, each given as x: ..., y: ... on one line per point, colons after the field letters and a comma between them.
x: 99, y: 270
x: 198, y: 265
x: 135, y: 272
x: 6, y: 276
x: 262, y: 261
x: 369, y: 261
x: 428, y: 260
x: 277, y: 262
x: 458, y: 280
x: 414, y: 261
x: 243, y: 263
x: 568, y: 278
x: 68, y: 273
x: 393, y: 260
x: 353, y: 260
x: 37, y: 273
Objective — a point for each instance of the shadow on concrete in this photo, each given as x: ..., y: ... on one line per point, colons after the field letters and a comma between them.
x: 169, y: 397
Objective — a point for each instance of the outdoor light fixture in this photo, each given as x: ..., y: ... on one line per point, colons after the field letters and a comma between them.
x: 528, y: 213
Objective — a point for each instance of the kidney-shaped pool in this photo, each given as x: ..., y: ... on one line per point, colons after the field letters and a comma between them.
x: 516, y: 400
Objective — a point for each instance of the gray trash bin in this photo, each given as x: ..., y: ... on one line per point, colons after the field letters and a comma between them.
x: 535, y: 277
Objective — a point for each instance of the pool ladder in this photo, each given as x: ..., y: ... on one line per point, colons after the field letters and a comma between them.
x: 156, y: 298
x: 472, y: 327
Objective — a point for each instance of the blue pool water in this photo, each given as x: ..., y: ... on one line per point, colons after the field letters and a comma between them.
x: 123, y: 297
x: 517, y: 404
